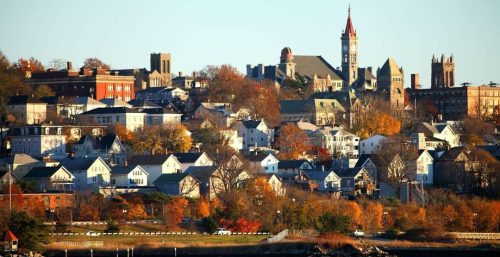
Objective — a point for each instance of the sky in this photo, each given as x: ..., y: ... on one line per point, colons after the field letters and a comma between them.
x: 240, y: 32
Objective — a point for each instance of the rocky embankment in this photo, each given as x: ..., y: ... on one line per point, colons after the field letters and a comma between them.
x: 351, y: 251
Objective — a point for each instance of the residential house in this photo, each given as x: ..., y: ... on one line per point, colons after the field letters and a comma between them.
x: 255, y: 133
x: 70, y: 107
x: 442, y: 131
x: 162, y: 95
x: 356, y: 181
x: 263, y: 162
x: 190, y: 82
x: 21, y: 164
x: 6, y: 178
x: 90, y: 172
x: 337, y: 140
x: 179, y: 184
x: 161, y: 116
x: 129, y: 176
x: 114, y: 102
x: 274, y: 182
x: 317, y: 111
x: 294, y: 166
x: 108, y: 147
x: 39, y: 140
x: 131, y: 119
x: 156, y: 165
x: 219, y: 114
x: 365, y: 161
x: 193, y: 159
x: 27, y: 109
x: 424, y: 168
x: 326, y: 181
x: 211, y: 179
x: 454, y: 169
x: 371, y: 144
x: 56, y: 178
x: 231, y: 138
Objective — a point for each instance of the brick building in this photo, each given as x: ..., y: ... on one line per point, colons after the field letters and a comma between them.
x: 458, y: 102
x: 97, y: 83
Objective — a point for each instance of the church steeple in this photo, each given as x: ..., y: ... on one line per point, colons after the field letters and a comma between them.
x: 349, y: 52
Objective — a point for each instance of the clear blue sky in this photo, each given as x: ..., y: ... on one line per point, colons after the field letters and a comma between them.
x: 198, y: 33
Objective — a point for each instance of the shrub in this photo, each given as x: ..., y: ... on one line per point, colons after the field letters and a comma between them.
x: 329, y: 222
x: 210, y: 224
x: 112, y: 227
x: 425, y: 234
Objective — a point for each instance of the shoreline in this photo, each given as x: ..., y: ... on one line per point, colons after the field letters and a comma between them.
x: 288, y: 248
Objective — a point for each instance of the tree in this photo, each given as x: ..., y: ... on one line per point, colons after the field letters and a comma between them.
x: 372, y: 217
x: 112, y: 227
x: 293, y: 142
x: 476, y: 131
x: 57, y: 64
x: 374, y: 121
x: 148, y: 140
x: 11, y: 81
x: 32, y: 233
x: 156, y: 200
x: 43, y: 91
x: 202, y: 208
x: 94, y: 62
x: 329, y: 222
x: 122, y: 132
x: 28, y: 66
x: 174, y: 211
x: 176, y: 138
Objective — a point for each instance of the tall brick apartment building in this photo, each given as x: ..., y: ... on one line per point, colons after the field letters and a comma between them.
x: 458, y: 102
x: 96, y: 83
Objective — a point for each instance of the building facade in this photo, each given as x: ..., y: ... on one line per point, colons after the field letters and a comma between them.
x: 443, y: 72
x: 38, y: 140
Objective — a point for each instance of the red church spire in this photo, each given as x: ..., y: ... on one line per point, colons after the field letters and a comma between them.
x: 349, y: 28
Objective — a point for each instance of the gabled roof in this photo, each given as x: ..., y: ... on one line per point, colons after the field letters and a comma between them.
x: 295, y: 106
x: 140, y: 103
x: 79, y: 163
x: 124, y: 170
x: 291, y: 164
x: 362, y: 159
x: 201, y: 173
x: 158, y: 111
x: 494, y: 150
x: 149, y: 159
x: 110, y: 110
x: 23, y: 99
x: 317, y: 175
x: 105, y: 142
x: 308, y: 65
x: 113, y: 102
x: 350, y: 172
x: 172, y: 178
x: 43, y: 172
x: 346, y: 98
x: 20, y: 158
x: 452, y: 154
x: 251, y: 123
x: 187, y: 157
x: 9, y: 236
x: 258, y: 157
x: 5, y: 172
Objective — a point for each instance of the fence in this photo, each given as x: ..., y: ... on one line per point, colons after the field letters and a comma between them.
x: 475, y: 236
x: 95, y: 234
x: 81, y: 243
x: 280, y: 236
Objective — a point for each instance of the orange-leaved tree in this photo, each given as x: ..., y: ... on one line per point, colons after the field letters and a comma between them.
x: 293, y: 142
x: 202, y: 208
x: 174, y: 211
x: 176, y: 138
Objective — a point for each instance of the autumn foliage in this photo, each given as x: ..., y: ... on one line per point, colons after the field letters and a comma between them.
x: 293, y: 142
x: 377, y: 122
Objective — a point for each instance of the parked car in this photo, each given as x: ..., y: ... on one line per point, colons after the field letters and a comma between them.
x: 222, y: 232
x: 91, y: 233
x: 359, y: 233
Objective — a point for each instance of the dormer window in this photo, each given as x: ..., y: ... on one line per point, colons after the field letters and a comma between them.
x: 47, y: 131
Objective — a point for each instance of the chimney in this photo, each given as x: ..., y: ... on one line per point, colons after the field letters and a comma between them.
x: 369, y: 68
x: 323, y: 168
x: 440, y: 117
x: 194, y: 73
x: 415, y: 81
x: 69, y: 66
x: 180, y: 73
x: 125, y: 163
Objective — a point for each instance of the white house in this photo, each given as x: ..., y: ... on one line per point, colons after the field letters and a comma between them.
x: 424, y: 168
x: 371, y: 144
x: 56, y: 178
x: 108, y: 147
x: 161, y: 116
x: 39, y: 140
x: 183, y: 184
x: 326, y: 180
x: 255, y: 133
x: 263, y: 162
x: 21, y: 164
x: 337, y: 140
x: 72, y: 106
x: 113, y: 102
x: 162, y: 95
x: 128, y: 176
x: 434, y: 132
x: 294, y: 166
x: 156, y: 165
x: 132, y: 119
x: 26, y: 109
x: 193, y: 159
x: 232, y: 139
x: 90, y: 172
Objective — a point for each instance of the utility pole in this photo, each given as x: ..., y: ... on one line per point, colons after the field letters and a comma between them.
x: 10, y: 188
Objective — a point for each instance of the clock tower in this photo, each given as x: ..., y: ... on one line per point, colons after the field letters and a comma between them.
x: 349, y: 52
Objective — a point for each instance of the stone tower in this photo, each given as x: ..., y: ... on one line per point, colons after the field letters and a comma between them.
x: 349, y: 52
x: 160, y: 62
x: 443, y: 72
x: 390, y: 83
x: 287, y: 66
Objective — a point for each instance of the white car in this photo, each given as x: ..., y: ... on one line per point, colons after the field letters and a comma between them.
x: 359, y: 233
x: 91, y: 233
x: 222, y: 232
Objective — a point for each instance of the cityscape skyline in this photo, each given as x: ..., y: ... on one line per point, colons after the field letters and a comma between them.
x: 253, y: 32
